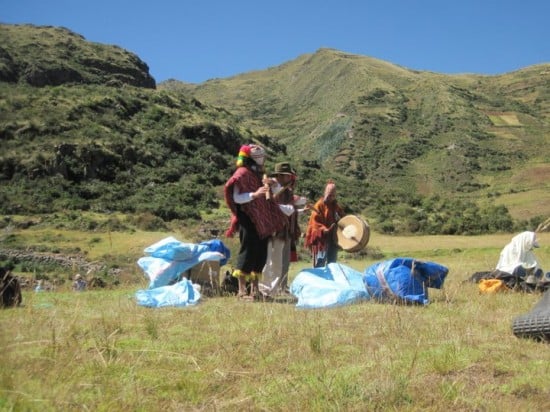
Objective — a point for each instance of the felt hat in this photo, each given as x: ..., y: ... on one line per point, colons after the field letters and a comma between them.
x: 283, y: 168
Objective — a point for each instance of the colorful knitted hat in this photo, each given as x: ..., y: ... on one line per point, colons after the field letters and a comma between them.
x: 244, y: 152
x: 251, y: 151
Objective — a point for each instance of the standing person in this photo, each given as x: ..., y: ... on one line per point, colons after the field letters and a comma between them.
x: 321, y: 236
x: 275, y: 272
x: 254, y: 214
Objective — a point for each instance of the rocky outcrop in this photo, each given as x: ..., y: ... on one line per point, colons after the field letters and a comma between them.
x: 51, y: 56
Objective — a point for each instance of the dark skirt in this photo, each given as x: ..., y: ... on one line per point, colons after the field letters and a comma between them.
x: 253, y: 251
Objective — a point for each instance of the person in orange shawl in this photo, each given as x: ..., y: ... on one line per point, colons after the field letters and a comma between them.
x: 254, y: 214
x: 321, y: 236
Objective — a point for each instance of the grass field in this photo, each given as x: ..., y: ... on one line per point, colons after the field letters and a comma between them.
x: 99, y: 351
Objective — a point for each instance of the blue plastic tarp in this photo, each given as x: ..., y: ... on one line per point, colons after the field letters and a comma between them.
x: 169, y: 258
x: 404, y: 279
x: 179, y: 294
x: 329, y: 286
x: 216, y: 245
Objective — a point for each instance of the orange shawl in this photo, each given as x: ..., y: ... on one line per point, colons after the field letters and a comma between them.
x: 322, y: 217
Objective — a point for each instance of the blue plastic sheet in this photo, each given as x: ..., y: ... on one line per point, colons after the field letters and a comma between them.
x: 404, y: 279
x: 179, y: 294
x: 171, y: 248
x: 216, y: 245
x: 169, y: 258
x: 329, y: 286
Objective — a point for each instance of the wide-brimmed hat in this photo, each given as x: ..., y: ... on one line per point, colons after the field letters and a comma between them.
x: 283, y: 168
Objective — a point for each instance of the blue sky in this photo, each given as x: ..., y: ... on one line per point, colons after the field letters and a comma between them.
x: 197, y: 40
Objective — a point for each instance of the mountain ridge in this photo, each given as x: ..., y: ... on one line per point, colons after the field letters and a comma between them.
x: 60, y: 56
x: 414, y: 152
x: 336, y: 108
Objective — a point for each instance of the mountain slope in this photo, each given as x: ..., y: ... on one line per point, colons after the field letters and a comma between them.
x: 83, y: 128
x: 108, y: 143
x: 42, y: 56
x: 377, y: 125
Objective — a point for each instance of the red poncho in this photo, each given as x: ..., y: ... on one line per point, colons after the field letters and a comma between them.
x: 265, y: 214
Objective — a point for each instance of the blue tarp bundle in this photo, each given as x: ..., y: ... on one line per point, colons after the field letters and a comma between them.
x: 216, y: 245
x: 401, y: 279
x: 329, y: 286
x: 167, y: 260
x: 181, y: 293
x: 404, y: 279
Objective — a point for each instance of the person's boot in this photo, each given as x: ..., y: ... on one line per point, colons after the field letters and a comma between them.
x: 243, y: 292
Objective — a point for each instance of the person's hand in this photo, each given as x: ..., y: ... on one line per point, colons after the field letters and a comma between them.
x: 260, y: 192
x: 269, y: 181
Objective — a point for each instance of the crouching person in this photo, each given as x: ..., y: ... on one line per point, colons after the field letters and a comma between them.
x: 518, y: 259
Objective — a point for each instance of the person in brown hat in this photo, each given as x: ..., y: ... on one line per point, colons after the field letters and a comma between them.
x: 321, y: 238
x: 275, y: 273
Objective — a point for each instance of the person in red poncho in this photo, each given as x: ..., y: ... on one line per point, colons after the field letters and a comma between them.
x: 321, y: 236
x: 254, y: 214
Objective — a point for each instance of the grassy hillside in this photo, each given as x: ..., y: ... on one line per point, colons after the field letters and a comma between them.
x: 105, y: 143
x: 50, y: 56
x: 383, y: 127
x: 85, y: 131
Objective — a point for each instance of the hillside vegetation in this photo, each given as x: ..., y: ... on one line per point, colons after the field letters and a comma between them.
x: 97, y: 137
x: 98, y: 162
x: 398, y: 137
x: 85, y: 129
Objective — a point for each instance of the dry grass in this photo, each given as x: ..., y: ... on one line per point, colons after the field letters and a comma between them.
x: 504, y: 119
x: 98, y: 350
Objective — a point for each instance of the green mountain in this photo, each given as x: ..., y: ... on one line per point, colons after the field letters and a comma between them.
x: 83, y: 127
x: 482, y: 139
x: 51, y: 56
